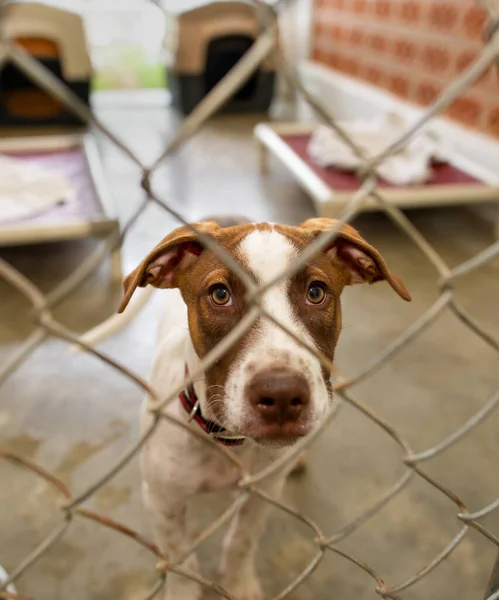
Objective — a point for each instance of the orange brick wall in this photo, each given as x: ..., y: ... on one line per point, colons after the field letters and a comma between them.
x: 413, y: 48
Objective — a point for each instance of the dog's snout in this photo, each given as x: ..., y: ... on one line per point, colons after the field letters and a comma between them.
x: 279, y: 396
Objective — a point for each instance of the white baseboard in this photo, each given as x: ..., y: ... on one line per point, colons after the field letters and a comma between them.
x: 348, y: 98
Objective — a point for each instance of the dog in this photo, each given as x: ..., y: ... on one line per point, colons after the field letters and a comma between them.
x: 262, y: 395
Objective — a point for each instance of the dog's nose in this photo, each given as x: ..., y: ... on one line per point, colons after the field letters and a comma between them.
x: 280, y: 396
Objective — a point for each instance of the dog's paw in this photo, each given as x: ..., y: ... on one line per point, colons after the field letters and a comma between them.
x: 243, y: 589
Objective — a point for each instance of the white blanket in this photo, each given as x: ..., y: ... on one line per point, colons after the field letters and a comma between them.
x: 28, y: 189
x: 411, y: 165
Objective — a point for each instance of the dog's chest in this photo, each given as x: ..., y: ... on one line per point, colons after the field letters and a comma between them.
x: 217, y: 474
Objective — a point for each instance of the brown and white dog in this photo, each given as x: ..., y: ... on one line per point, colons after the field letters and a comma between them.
x: 264, y: 394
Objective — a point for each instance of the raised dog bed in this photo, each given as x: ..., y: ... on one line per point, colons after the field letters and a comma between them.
x: 87, y: 212
x: 331, y: 189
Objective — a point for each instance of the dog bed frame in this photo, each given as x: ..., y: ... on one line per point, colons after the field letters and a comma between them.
x: 90, y: 211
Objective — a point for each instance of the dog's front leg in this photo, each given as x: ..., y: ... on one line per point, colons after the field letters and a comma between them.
x: 168, y: 515
x: 237, y: 564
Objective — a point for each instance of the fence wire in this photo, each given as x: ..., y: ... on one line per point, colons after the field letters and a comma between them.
x: 267, y: 45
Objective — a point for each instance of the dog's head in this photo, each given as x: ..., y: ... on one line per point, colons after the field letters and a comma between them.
x: 267, y: 386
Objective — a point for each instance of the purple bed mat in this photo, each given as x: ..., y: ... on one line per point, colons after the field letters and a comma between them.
x: 83, y: 206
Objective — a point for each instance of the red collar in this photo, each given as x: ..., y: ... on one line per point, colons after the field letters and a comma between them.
x: 190, y: 402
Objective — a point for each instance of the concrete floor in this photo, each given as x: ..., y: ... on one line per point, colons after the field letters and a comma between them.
x: 75, y: 416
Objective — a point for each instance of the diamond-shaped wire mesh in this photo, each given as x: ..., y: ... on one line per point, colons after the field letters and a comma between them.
x: 43, y: 305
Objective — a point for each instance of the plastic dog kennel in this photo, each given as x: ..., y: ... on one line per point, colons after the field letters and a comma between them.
x: 57, y: 39
x: 203, y: 44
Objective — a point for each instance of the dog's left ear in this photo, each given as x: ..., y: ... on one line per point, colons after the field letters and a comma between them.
x: 361, y: 261
x: 177, y: 251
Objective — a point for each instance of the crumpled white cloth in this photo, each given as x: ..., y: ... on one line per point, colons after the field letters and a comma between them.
x: 27, y: 189
x: 410, y: 165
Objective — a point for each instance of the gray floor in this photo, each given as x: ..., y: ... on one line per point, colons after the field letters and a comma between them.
x: 75, y: 416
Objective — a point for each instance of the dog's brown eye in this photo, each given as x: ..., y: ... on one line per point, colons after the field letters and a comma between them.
x: 316, y: 293
x: 220, y: 295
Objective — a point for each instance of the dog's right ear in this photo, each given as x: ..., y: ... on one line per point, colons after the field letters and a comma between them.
x: 160, y: 267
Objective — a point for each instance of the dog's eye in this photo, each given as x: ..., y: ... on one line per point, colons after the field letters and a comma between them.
x: 220, y: 295
x: 316, y: 293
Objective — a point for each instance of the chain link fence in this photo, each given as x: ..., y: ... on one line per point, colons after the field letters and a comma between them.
x: 46, y: 325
